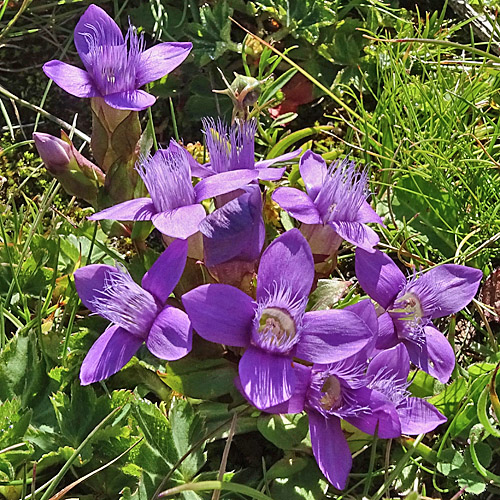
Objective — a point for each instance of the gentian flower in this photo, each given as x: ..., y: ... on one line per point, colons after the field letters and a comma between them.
x: 388, y: 373
x: 175, y: 205
x: 116, y: 67
x: 233, y: 148
x: 137, y: 313
x: 334, y: 207
x: 275, y: 328
x: 233, y: 237
x: 334, y: 392
x: 410, y: 306
x: 78, y: 176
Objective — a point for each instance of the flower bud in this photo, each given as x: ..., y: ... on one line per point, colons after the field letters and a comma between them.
x: 77, y: 175
x: 55, y: 153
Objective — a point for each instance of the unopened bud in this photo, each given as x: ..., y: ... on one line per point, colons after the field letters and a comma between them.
x: 55, y: 153
x: 78, y: 176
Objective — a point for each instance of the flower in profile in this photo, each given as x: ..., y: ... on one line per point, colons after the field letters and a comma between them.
x: 233, y: 237
x: 411, y: 305
x: 232, y: 147
x: 78, y: 176
x: 137, y: 313
x: 334, y: 207
x: 115, y: 66
x: 388, y: 373
x: 175, y: 207
x: 275, y: 328
x: 334, y: 392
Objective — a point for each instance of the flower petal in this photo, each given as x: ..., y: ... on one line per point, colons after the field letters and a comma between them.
x: 288, y: 262
x: 387, y: 336
x: 365, y: 310
x: 73, y: 80
x: 181, y: 222
x: 451, y: 287
x: 383, y: 413
x: 379, y: 276
x: 109, y: 354
x: 166, y: 272
x: 333, y: 335
x: 367, y: 214
x: 418, y: 417
x: 271, y: 174
x: 394, y: 363
x: 297, y: 402
x: 281, y: 158
x: 89, y: 282
x: 267, y: 379
x: 435, y: 356
x: 330, y: 449
x: 223, y: 183
x: 95, y: 23
x: 313, y: 171
x: 236, y: 230
x: 170, y: 336
x: 134, y: 100
x: 138, y: 209
x: 220, y: 313
x: 357, y: 234
x: 160, y: 60
x: 298, y: 204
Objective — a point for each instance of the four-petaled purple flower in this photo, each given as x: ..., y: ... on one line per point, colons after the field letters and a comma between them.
x: 137, y: 314
x: 334, y: 207
x: 334, y: 392
x: 116, y: 67
x: 388, y: 373
x: 233, y: 148
x: 275, y: 328
x: 175, y: 205
x: 411, y: 305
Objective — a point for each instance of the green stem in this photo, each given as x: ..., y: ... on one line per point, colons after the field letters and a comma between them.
x: 216, y: 485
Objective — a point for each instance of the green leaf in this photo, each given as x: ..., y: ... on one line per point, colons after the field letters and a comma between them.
x: 307, y: 484
x: 186, y: 431
x: 448, y: 400
x: 22, y: 370
x: 450, y: 462
x: 284, y: 431
x: 286, y: 467
x: 203, y: 379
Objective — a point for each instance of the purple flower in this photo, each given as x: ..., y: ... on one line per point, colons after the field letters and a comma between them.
x: 233, y: 148
x: 78, y: 176
x: 411, y: 305
x: 233, y: 236
x: 137, y: 314
x: 275, y: 327
x: 388, y: 373
x: 334, y: 207
x: 175, y: 205
x: 334, y: 392
x: 116, y: 67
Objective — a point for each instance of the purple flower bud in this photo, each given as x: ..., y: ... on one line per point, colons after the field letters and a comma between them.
x: 78, y: 176
x: 55, y: 153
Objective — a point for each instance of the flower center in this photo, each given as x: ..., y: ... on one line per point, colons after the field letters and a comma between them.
x: 332, y: 394
x: 125, y: 303
x: 409, y: 314
x: 275, y: 330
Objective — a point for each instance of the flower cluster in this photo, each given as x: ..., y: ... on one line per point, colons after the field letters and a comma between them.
x: 347, y: 364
